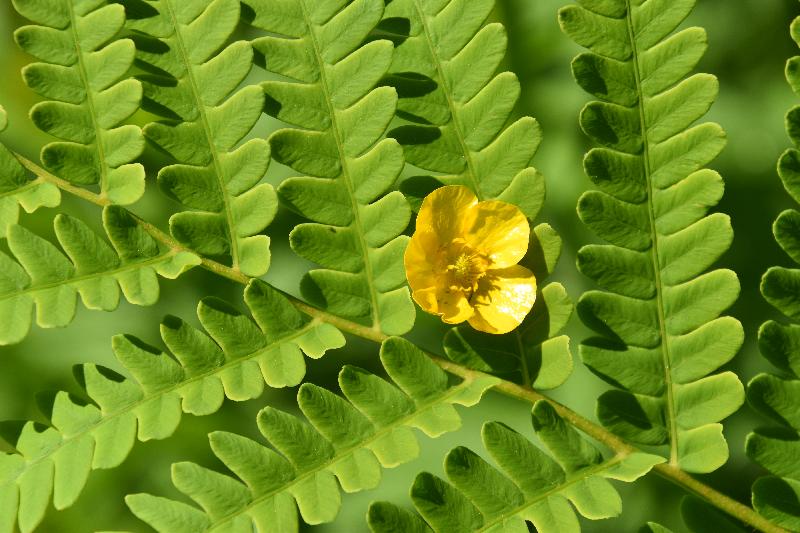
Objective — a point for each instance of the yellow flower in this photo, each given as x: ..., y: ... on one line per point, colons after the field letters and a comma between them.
x: 462, y: 260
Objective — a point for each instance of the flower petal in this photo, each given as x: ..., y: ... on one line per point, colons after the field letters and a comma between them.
x: 449, y: 304
x: 420, y: 260
x: 499, y: 230
x: 503, y: 299
x: 443, y: 208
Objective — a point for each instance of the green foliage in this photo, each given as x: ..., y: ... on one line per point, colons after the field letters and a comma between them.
x: 19, y: 188
x: 457, y: 110
x: 189, y: 82
x: 233, y: 359
x: 42, y: 276
x: 348, y: 440
x: 81, y: 71
x: 532, y: 487
x: 777, y: 397
x: 444, y: 71
x: 357, y: 222
x: 660, y: 335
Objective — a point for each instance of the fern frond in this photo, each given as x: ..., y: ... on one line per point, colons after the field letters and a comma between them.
x: 233, y: 358
x: 532, y: 487
x: 658, y: 318
x: 348, y: 439
x: 190, y: 82
x: 18, y: 188
x: 357, y: 222
x: 777, y: 397
x: 83, y: 72
x: 43, y: 277
x: 458, y: 108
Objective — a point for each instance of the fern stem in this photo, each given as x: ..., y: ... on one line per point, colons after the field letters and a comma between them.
x: 201, y: 110
x: 62, y: 184
x: 665, y: 355
x: 669, y: 472
x: 84, y: 76
x: 348, y: 180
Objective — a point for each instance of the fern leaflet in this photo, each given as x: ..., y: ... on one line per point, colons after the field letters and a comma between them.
x: 533, y: 486
x: 189, y: 83
x: 777, y: 497
x: 82, y: 71
x: 348, y: 439
x: 18, y: 188
x: 233, y: 359
x: 444, y: 71
x: 355, y: 234
x: 44, y: 277
x: 660, y: 335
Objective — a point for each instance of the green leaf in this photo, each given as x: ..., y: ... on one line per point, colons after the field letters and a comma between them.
x: 19, y: 189
x: 459, y: 109
x: 232, y: 359
x: 83, y: 73
x: 658, y: 321
x: 459, y: 128
x: 191, y: 83
x: 40, y: 276
x: 529, y: 486
x: 346, y: 439
x: 340, y: 119
x: 775, y: 448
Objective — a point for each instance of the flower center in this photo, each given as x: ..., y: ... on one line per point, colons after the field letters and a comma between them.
x: 468, y: 268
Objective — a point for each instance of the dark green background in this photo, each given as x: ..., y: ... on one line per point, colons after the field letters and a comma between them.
x: 749, y: 45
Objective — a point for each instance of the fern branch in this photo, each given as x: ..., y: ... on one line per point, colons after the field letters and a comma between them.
x: 83, y: 72
x: 777, y: 396
x: 658, y: 318
x: 350, y: 170
x: 44, y: 277
x: 348, y: 440
x: 189, y: 82
x: 532, y: 487
x: 18, y: 189
x: 233, y: 359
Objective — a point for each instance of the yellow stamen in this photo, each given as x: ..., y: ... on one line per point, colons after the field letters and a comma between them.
x: 467, y: 269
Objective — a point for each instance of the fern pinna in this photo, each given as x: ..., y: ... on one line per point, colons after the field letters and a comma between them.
x: 50, y: 280
x: 348, y: 441
x: 233, y: 358
x: 83, y: 71
x: 777, y: 396
x: 18, y: 188
x: 660, y: 335
x: 188, y: 81
x: 532, y: 487
x: 341, y: 119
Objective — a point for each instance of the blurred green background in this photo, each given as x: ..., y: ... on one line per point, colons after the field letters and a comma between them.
x: 749, y: 45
